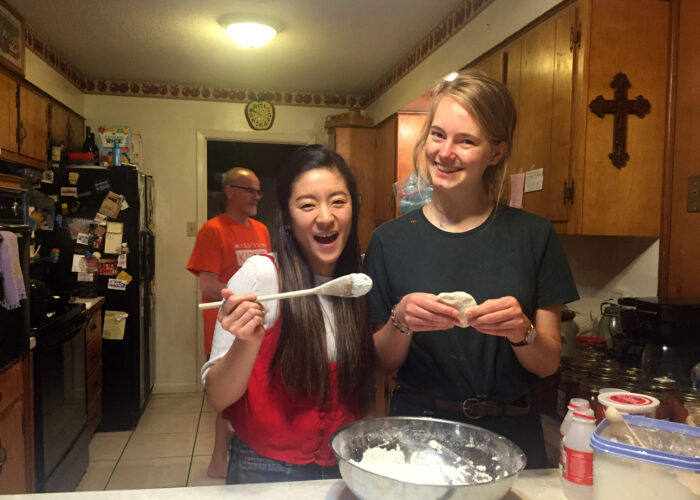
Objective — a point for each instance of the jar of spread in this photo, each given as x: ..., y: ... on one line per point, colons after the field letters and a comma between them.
x: 588, y: 390
x: 630, y: 402
x: 663, y: 389
x: 689, y: 406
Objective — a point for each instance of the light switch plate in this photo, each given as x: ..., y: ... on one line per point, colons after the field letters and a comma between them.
x: 694, y: 193
x: 191, y: 229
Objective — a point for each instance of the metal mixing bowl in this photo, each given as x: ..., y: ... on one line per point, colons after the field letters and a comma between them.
x: 502, y: 459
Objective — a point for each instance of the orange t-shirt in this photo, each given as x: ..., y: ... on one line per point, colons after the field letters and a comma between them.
x: 222, y: 246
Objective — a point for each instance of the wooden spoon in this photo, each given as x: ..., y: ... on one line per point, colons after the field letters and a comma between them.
x: 350, y: 285
x: 620, y: 425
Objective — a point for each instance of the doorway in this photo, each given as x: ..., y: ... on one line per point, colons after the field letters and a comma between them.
x: 262, y: 158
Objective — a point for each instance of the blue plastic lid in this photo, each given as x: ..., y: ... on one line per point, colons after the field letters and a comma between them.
x: 601, y: 444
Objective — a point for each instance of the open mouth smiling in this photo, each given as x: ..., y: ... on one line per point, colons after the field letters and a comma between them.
x: 326, y: 239
x: 446, y: 170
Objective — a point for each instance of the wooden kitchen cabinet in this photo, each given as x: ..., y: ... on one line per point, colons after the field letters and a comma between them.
x: 16, y: 429
x: 554, y: 69
x: 608, y: 200
x: 8, y: 115
x: 93, y: 366
x: 33, y: 124
x: 357, y: 145
x: 66, y: 127
x: 396, y: 137
x: 24, y: 126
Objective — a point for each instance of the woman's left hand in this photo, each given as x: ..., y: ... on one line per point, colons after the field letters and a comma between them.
x: 503, y: 317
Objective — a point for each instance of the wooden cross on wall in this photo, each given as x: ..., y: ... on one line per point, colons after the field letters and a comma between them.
x: 621, y: 107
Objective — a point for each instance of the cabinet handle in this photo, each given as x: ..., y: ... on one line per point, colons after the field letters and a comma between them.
x: 3, y: 456
x: 22, y: 133
x: 93, y: 326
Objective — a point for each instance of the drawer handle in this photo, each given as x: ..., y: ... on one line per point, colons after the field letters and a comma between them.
x: 3, y: 456
x: 93, y: 326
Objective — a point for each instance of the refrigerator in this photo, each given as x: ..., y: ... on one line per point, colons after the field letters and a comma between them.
x: 128, y: 363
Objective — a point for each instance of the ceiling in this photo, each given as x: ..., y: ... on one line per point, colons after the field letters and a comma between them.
x: 331, y: 46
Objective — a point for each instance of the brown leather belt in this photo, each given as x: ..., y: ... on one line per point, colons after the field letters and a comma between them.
x: 474, y: 407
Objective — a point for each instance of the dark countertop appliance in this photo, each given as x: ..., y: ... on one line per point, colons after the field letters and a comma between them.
x: 661, y: 337
x: 60, y: 414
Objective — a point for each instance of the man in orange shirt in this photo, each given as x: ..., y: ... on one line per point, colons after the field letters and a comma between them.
x: 223, y: 244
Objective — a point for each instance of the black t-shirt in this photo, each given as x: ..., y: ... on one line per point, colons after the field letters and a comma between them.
x: 513, y: 253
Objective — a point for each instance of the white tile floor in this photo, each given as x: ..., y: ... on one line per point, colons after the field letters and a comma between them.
x: 171, y: 446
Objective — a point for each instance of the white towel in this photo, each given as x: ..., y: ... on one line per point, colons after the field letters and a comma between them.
x: 11, y: 271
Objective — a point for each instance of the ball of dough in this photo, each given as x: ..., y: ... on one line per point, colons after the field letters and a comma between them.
x: 462, y: 301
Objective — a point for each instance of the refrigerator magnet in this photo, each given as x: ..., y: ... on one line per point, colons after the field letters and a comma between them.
x: 108, y: 267
x: 83, y: 239
x: 69, y: 192
x: 47, y: 177
x: 111, y: 205
x: 121, y: 260
x: 113, y: 241
x: 124, y: 276
x: 115, y: 284
x: 86, y: 277
x: 101, y: 185
x: 73, y: 177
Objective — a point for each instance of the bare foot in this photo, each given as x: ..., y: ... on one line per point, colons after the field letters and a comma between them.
x: 217, y: 468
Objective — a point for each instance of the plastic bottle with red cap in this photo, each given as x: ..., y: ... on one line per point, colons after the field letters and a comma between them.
x: 577, y: 457
x: 574, y: 405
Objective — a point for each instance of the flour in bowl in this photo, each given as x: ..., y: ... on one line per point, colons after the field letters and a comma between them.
x: 421, y: 467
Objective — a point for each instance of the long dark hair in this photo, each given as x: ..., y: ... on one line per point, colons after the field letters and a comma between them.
x: 301, y: 352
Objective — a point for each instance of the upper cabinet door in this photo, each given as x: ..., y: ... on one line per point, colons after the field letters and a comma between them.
x: 544, y: 113
x: 8, y: 114
x: 626, y: 200
x: 34, y: 125
x: 76, y: 132
x: 59, y: 124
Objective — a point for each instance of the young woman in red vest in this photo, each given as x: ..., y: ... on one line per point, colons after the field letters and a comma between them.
x: 288, y: 373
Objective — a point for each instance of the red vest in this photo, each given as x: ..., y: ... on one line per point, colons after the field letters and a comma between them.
x: 291, y: 429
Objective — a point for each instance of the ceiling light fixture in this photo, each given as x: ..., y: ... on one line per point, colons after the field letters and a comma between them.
x: 250, y: 31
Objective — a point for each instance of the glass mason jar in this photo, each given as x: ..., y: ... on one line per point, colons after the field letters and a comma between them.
x: 689, y: 406
x: 664, y: 389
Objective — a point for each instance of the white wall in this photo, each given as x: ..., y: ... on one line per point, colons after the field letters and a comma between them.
x: 607, y: 267
x: 53, y: 83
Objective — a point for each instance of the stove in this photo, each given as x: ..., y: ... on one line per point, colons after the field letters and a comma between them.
x: 59, y: 315
x: 60, y: 401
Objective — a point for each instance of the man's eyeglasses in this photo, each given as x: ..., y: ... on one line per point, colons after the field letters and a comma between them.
x: 248, y: 190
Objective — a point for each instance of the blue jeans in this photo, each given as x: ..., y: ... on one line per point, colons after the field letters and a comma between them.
x: 245, y: 466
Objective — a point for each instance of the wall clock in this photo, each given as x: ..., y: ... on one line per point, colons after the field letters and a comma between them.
x: 260, y: 115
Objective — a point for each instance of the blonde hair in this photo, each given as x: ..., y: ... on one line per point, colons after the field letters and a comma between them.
x: 489, y: 102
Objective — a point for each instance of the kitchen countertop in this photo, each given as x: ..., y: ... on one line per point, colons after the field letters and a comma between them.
x: 540, y: 484
x: 89, y: 302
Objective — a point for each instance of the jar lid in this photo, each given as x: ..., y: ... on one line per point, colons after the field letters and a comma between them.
x: 589, y: 340
x: 629, y: 402
x: 664, y: 382
x: 689, y: 395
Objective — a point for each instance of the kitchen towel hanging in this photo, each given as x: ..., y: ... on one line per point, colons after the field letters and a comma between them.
x: 11, y: 271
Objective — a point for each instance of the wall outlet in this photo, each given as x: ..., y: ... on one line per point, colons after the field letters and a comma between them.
x: 694, y: 193
x: 191, y: 229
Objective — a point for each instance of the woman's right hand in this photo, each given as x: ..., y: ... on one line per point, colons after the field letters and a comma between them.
x: 241, y: 316
x: 422, y: 312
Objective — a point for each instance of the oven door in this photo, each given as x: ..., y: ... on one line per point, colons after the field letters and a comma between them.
x: 14, y: 324
x: 60, y: 396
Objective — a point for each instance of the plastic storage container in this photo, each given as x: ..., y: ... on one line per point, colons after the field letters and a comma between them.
x: 629, y: 402
x: 625, y: 472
